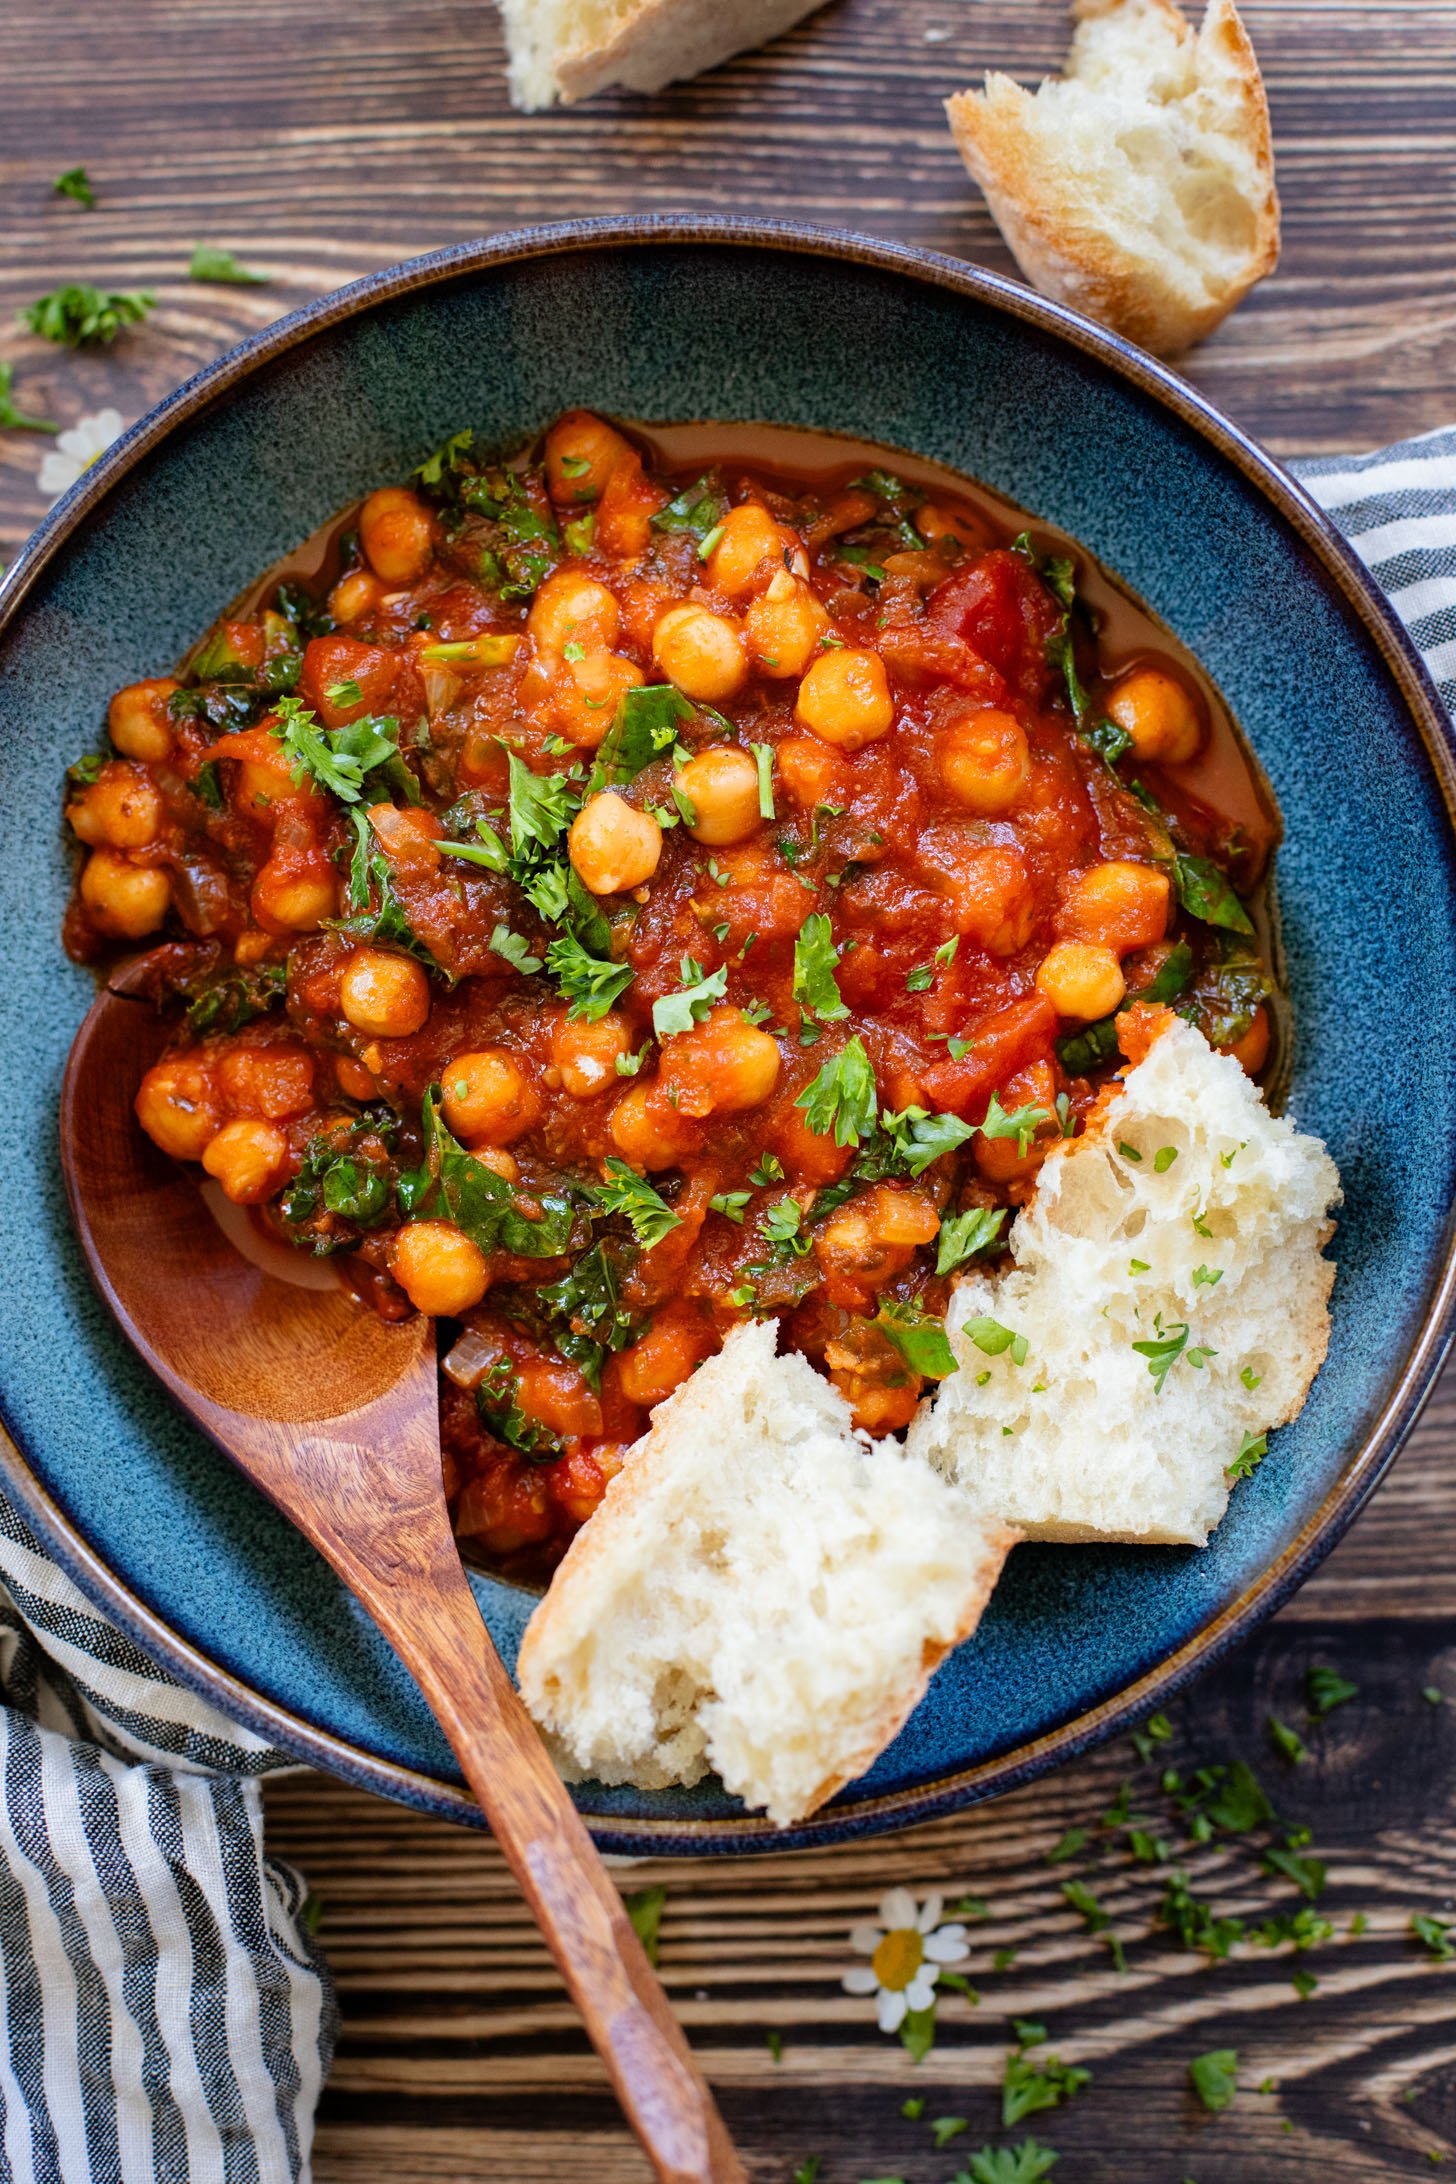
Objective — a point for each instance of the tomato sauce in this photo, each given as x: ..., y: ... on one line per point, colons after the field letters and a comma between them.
x: 663, y: 879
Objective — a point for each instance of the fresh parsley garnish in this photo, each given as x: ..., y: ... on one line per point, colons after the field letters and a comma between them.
x: 1033, y: 2083
x: 731, y: 1204
x: 1027, y: 2163
x: 698, y: 994
x: 342, y: 759
x: 645, y: 728
x: 1434, y: 1935
x: 220, y: 266
x: 842, y: 1100
x: 645, y: 1912
x: 17, y: 420
x: 1253, y: 1448
x: 589, y: 984
x: 815, y: 961
x: 964, y: 1235
x: 629, y: 1194
x: 1022, y: 1123
x: 1163, y: 1353
x: 515, y: 951
x: 992, y: 1339
x: 919, y: 1337
x: 542, y: 807
x: 916, y: 1137
x: 1328, y: 1689
x: 487, y: 849
x: 1215, y: 2078
x: 75, y: 183
x: 78, y: 315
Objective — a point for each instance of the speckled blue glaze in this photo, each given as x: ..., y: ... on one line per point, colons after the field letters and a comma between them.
x: 663, y: 322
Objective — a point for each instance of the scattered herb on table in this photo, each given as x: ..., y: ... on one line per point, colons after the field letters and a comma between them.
x: 220, y: 266
x: 78, y: 316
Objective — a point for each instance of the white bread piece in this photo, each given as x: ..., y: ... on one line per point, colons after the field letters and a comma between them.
x: 763, y: 1592
x: 567, y: 49
x: 1100, y: 1454
x: 1140, y: 187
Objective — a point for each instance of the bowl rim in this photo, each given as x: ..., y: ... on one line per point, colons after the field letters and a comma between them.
x: 689, y: 1836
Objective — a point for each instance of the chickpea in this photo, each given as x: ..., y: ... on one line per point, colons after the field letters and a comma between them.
x: 677, y: 1339
x: 249, y: 1159
x: 701, y: 652
x: 138, y: 722
x: 721, y: 784
x: 487, y: 1096
x: 120, y: 809
x: 749, y: 547
x: 811, y: 773
x: 613, y: 846
x: 397, y: 533
x: 582, y: 451
x: 874, y: 1237
x: 1160, y: 715
x: 386, y: 995
x: 125, y: 900
x: 587, y: 1054
x: 572, y: 608
x: 984, y: 759
x: 354, y: 1079
x: 439, y: 1269
x: 994, y: 901
x: 845, y: 699
x: 177, y: 1106
x: 272, y: 1081
x: 499, y: 1162
x: 649, y: 1132
x: 285, y: 900
x: 586, y: 693
x: 785, y: 625
x: 355, y: 595
x: 1118, y: 905
x: 723, y: 1066
x: 1081, y: 980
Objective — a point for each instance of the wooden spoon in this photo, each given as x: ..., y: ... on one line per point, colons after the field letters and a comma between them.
x: 334, y: 1414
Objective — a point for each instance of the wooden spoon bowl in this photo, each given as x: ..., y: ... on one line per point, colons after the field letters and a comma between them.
x: 334, y: 1414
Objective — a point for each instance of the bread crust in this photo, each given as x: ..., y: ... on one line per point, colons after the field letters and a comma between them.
x: 661, y: 41
x: 585, y: 1616
x: 1052, y: 225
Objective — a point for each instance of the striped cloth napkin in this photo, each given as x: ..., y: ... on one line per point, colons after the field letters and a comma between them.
x: 165, y: 2014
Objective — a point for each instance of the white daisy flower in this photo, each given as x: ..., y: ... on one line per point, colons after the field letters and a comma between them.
x: 76, y: 450
x: 906, y: 1951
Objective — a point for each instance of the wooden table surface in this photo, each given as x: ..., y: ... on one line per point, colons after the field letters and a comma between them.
x: 319, y: 142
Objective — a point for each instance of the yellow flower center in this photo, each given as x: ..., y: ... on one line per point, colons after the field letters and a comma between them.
x: 898, y: 1957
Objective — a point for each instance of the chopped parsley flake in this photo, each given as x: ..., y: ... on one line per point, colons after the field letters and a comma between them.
x: 1164, y: 1158
x: 1327, y: 1690
x: 1214, y: 2078
x: 221, y: 267
x: 1253, y: 1448
x: 1288, y: 1741
x: 649, y: 1215
x: 503, y: 942
x: 964, y: 1235
x: 919, y: 1337
x: 842, y: 1100
x: 75, y: 183
x: 815, y: 961
x: 678, y: 1012
x: 991, y: 1339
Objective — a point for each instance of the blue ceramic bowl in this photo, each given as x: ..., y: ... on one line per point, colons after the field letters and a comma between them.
x: 670, y: 320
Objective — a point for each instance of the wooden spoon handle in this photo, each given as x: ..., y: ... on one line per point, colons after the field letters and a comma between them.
x: 437, y: 1630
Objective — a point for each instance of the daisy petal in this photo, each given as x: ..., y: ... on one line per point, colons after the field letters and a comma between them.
x: 859, y: 1979
x: 897, y: 1908
x: 948, y: 1946
x: 930, y: 1913
x: 920, y: 1993
x: 864, y: 1940
x: 890, y: 2013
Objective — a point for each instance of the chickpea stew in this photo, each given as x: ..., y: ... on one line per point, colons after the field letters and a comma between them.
x: 620, y: 896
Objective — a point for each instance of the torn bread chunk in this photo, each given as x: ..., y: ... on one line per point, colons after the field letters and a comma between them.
x: 763, y: 1592
x: 1140, y: 187
x: 1168, y: 1304
x: 567, y: 49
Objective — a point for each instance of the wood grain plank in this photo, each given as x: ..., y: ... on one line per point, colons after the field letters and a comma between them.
x: 457, y: 2040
